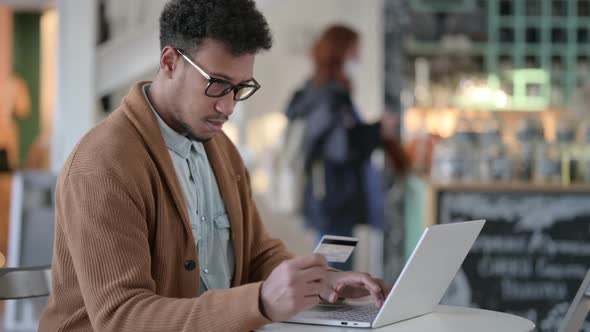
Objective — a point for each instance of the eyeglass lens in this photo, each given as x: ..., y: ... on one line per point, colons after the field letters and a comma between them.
x: 218, y: 89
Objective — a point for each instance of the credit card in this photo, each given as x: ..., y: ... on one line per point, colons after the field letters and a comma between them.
x: 336, y: 249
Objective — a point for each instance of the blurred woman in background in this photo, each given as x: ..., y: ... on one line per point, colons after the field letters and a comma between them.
x: 341, y: 186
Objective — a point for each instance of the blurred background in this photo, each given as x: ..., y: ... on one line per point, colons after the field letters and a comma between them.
x: 492, y: 98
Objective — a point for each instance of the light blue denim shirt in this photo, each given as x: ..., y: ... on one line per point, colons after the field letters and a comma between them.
x: 209, y: 220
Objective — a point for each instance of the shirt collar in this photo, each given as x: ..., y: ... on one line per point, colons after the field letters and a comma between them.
x: 174, y: 141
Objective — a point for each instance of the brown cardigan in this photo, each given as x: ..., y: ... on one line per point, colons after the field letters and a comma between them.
x: 124, y: 249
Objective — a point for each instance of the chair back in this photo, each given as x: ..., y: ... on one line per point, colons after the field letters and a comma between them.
x: 26, y: 282
x: 30, y: 249
x: 579, y: 309
x: 31, y: 227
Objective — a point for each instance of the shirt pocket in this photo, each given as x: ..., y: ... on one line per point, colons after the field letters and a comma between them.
x: 223, y: 228
x: 223, y: 234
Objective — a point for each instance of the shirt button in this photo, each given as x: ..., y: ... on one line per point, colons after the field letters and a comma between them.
x: 203, y: 218
x: 190, y: 265
x: 205, y: 271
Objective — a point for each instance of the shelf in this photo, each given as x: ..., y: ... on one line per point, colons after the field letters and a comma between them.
x: 515, y: 186
x: 414, y: 47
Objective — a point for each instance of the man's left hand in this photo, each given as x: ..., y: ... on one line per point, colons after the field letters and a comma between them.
x: 353, y: 285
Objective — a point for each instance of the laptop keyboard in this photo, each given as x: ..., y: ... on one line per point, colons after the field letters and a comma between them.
x: 366, y: 313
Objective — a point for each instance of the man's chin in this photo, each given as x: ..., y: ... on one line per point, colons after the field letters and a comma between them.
x: 199, y: 138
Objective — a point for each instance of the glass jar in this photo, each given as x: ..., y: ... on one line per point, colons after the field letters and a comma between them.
x: 583, y: 153
x: 547, y: 167
x: 495, y: 163
x: 444, y: 166
x: 453, y: 159
x: 566, y: 144
x: 528, y: 137
x: 553, y: 161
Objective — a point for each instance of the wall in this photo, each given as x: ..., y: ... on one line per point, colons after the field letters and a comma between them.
x: 49, y: 32
x: 76, y: 72
x: 129, y: 15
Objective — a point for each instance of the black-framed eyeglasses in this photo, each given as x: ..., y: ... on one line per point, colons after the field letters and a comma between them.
x: 218, y: 87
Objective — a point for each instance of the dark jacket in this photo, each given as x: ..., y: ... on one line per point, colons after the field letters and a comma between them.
x: 337, y: 148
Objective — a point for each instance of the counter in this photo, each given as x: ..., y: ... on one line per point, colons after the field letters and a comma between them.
x: 531, y: 255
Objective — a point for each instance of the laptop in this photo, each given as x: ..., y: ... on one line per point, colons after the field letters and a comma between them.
x: 419, y: 288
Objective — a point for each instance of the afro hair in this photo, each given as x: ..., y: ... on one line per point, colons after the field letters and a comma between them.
x: 238, y: 24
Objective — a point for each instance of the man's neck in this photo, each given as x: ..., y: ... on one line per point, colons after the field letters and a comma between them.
x: 162, y: 107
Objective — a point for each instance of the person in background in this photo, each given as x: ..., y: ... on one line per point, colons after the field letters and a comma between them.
x: 341, y: 187
x: 156, y: 228
x: 15, y: 103
x: 38, y: 155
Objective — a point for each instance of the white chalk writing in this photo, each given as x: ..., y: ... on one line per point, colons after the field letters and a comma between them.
x: 500, y: 244
x: 504, y: 267
x: 530, y: 213
x: 552, y: 270
x: 513, y: 290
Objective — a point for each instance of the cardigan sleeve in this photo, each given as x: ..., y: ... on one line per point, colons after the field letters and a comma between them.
x: 107, y: 236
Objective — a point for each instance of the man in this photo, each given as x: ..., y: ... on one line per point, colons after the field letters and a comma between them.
x: 156, y: 228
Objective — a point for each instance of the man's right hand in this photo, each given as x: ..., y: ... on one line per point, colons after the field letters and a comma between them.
x: 293, y: 286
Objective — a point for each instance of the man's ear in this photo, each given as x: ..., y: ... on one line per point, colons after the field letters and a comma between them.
x: 168, y: 61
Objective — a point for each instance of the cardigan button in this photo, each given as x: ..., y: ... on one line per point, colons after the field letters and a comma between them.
x: 190, y: 265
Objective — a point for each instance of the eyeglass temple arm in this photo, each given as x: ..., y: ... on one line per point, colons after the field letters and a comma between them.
x: 194, y: 65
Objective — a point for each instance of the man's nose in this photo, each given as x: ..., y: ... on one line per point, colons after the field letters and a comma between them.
x: 226, y: 104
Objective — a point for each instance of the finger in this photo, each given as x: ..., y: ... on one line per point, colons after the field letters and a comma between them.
x: 312, y: 288
x: 329, y: 295
x: 377, y: 296
x: 341, y: 287
x: 363, y: 279
x: 385, y: 288
x: 352, y: 291
x: 368, y: 283
x: 309, y: 261
x: 309, y: 302
x: 312, y: 274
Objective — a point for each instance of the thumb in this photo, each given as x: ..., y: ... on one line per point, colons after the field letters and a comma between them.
x: 329, y: 295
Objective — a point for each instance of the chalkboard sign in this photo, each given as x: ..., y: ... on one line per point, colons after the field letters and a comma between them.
x: 531, y: 256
